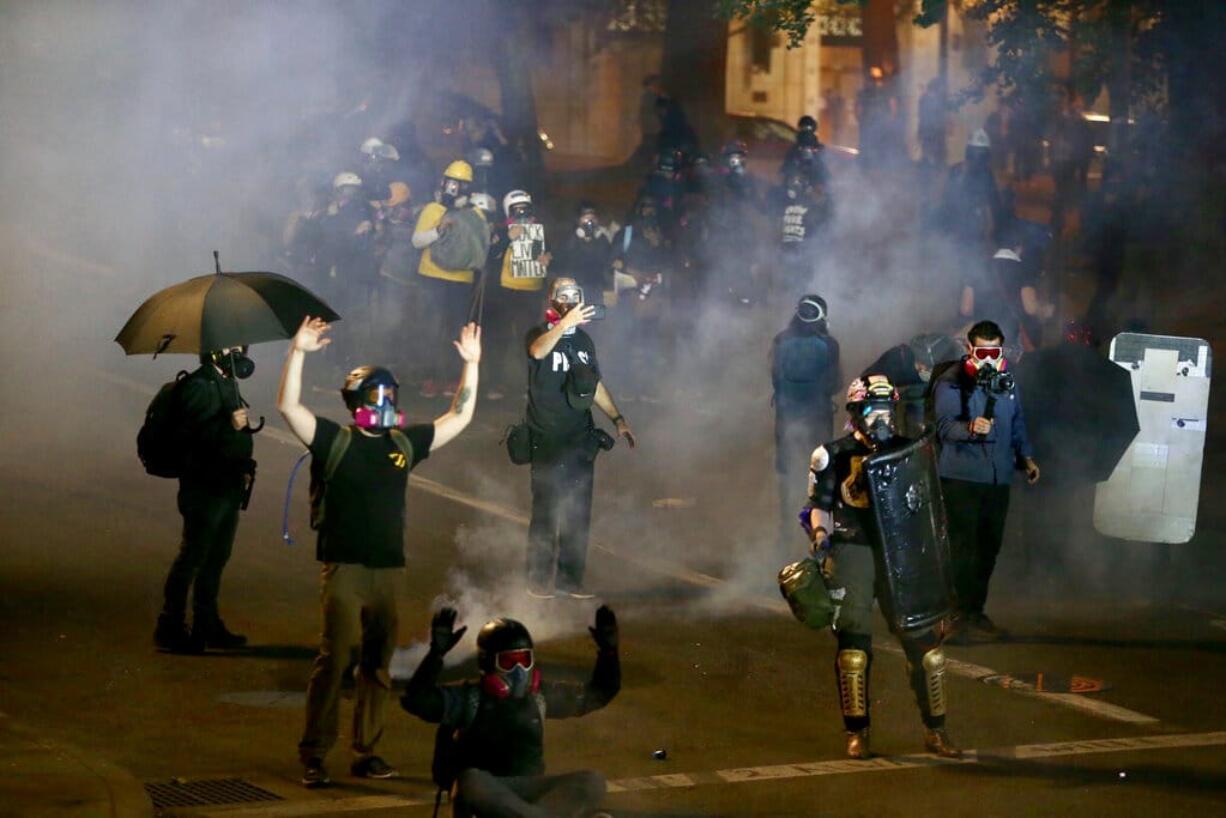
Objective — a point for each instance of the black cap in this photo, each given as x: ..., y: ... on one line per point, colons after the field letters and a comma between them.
x: 581, y: 386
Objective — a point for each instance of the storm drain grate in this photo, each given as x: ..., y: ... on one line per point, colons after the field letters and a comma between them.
x: 207, y: 792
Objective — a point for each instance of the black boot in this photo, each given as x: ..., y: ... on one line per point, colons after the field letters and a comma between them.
x: 213, y: 633
x: 171, y: 636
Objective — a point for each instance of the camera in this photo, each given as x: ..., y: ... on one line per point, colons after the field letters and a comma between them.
x: 993, y: 380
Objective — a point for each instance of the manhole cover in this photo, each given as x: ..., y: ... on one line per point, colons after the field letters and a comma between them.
x: 289, y: 699
x: 180, y: 793
x: 1047, y: 682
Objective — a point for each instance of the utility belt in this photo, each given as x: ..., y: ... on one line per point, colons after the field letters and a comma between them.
x: 528, y: 445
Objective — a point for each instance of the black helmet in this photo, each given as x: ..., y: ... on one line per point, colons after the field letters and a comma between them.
x: 807, y: 123
x: 364, y: 378
x: 499, y: 635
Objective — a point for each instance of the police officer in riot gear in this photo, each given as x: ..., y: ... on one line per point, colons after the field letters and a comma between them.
x: 492, y: 729
x: 853, y: 531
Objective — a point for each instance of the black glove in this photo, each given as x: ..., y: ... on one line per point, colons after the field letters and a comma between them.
x: 604, y: 633
x: 443, y: 636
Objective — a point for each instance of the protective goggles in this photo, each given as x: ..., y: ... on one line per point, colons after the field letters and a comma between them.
x: 508, y: 660
x: 987, y: 353
x: 872, y: 406
x: 379, y: 395
x: 568, y: 295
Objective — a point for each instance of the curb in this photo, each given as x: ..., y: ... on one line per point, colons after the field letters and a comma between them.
x: 43, y: 779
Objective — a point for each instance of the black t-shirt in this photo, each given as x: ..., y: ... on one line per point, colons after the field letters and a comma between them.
x: 549, y: 412
x: 364, y: 501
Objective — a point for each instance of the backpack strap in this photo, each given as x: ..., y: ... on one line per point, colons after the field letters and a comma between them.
x: 319, y: 493
x: 340, y: 445
x: 403, y: 444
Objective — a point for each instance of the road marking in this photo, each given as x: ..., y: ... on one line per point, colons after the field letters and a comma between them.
x: 1074, y: 701
x: 771, y: 772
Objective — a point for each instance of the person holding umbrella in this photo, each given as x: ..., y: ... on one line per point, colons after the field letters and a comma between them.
x: 359, y: 476
x: 197, y: 429
x: 216, y: 476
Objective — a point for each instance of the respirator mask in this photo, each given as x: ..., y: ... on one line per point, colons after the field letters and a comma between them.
x: 233, y: 363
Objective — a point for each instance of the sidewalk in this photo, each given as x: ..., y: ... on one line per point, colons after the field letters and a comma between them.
x: 43, y: 780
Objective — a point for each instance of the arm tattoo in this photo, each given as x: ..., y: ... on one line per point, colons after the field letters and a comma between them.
x: 462, y: 399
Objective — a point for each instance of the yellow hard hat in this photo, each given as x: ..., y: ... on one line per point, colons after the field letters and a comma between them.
x: 459, y: 169
x: 400, y: 194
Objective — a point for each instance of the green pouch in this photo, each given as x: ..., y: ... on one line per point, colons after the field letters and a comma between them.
x: 802, y: 586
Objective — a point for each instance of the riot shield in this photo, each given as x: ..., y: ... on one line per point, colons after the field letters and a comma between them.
x: 913, y: 537
x: 1153, y: 493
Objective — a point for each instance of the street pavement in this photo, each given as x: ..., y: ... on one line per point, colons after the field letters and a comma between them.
x: 716, y: 673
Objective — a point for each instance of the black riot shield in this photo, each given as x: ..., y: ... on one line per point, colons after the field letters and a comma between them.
x: 914, y: 538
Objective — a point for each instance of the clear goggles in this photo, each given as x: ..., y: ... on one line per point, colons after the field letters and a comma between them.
x: 508, y: 660
x: 379, y: 395
x: 570, y: 294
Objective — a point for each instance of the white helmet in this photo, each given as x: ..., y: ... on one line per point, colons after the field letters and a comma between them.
x: 515, y: 197
x: 979, y: 139
x: 346, y: 178
x: 484, y: 201
x: 377, y: 148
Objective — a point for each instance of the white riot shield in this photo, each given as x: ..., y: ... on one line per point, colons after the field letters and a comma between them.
x: 1153, y: 493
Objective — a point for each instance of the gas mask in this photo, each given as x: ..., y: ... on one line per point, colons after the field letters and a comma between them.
x: 979, y: 358
x: 565, y: 296
x: 587, y: 228
x: 736, y: 164
x: 233, y: 363
x: 370, y: 394
x: 871, y: 402
x: 875, y: 420
x: 521, y: 213
x: 515, y: 674
x: 449, y: 191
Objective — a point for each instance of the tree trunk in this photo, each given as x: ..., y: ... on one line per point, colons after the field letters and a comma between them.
x: 695, y: 60
x: 512, y: 54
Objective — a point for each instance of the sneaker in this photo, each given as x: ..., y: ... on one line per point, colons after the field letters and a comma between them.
x: 314, y: 775
x: 219, y: 637
x: 373, y: 767
x: 172, y: 636
x: 540, y: 592
x: 576, y: 593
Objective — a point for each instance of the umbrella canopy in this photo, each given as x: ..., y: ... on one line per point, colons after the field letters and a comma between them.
x: 1079, y: 412
x: 218, y: 311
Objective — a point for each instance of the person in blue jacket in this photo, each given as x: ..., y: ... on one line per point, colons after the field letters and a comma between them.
x: 982, y: 435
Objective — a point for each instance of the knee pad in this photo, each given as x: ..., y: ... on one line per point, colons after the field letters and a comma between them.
x: 852, y: 667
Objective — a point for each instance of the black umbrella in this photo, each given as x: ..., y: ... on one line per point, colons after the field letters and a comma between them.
x: 1079, y: 412
x: 218, y: 311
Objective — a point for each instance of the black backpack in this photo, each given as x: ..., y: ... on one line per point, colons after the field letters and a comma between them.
x: 159, y: 443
